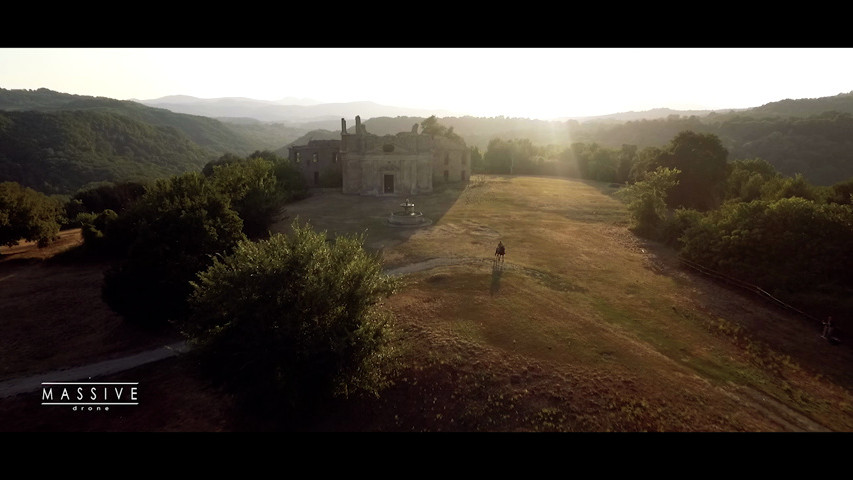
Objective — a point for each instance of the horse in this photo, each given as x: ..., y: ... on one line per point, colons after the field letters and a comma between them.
x: 499, y: 253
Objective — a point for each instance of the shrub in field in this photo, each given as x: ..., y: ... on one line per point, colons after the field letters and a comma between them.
x: 293, y: 318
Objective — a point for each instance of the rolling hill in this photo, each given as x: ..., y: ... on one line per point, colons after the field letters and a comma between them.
x: 56, y: 142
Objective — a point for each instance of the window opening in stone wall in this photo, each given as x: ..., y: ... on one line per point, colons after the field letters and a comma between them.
x: 315, y: 157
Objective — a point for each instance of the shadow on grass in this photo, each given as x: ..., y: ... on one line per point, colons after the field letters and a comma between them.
x: 348, y: 214
x: 497, y: 271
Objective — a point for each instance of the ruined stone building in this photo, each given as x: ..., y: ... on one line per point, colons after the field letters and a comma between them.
x: 319, y: 162
x: 407, y: 163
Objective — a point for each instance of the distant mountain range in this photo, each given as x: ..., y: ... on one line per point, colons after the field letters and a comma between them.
x: 280, y: 111
x: 57, y: 142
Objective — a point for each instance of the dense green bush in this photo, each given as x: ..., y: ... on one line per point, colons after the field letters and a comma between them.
x: 111, y: 196
x: 747, y: 179
x: 254, y: 191
x: 172, y: 233
x: 646, y: 200
x: 787, y: 245
x: 294, y: 318
x: 92, y: 228
x: 26, y: 214
x: 257, y: 187
x: 675, y: 224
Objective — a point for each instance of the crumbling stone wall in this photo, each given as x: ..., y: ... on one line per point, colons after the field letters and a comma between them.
x: 408, y: 162
x: 317, y: 160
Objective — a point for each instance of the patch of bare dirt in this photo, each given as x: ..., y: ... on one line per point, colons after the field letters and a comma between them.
x: 52, y: 315
x: 30, y: 250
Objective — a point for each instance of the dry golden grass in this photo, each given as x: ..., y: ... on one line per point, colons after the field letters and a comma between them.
x: 584, y: 328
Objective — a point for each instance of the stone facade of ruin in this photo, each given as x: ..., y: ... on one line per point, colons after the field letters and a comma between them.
x: 319, y: 161
x: 407, y: 163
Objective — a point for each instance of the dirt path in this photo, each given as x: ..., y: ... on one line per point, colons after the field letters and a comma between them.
x: 437, y: 262
x: 11, y: 388
x: 32, y: 383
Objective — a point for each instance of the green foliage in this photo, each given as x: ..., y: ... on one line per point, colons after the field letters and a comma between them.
x: 257, y: 186
x: 842, y: 193
x: 477, y: 164
x: 603, y: 164
x: 788, y: 187
x: 116, y: 197
x: 676, y: 224
x: 290, y: 181
x: 171, y: 233
x: 253, y: 189
x: 92, y: 228
x: 702, y: 161
x: 58, y: 143
x: 646, y: 200
x: 818, y: 144
x: 293, y: 318
x: 26, y: 214
x: 747, y: 179
x: 226, y: 159
x: 515, y: 157
x: 791, y: 244
x: 431, y: 126
x: 60, y: 152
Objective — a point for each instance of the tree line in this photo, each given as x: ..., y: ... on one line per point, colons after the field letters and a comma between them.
x: 280, y: 320
x: 747, y: 220
x: 741, y: 217
x: 817, y: 145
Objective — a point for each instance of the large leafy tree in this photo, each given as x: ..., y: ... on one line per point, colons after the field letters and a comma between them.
x: 257, y: 186
x: 26, y: 214
x: 172, y: 232
x: 702, y: 161
x: 294, y: 318
x: 431, y: 126
x: 254, y: 191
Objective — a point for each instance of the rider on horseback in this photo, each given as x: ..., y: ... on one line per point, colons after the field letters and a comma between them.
x: 500, y: 251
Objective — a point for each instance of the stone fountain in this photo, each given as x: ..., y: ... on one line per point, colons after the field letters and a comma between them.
x: 408, y: 216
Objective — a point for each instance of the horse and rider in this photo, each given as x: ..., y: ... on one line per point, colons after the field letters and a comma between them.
x: 500, y: 251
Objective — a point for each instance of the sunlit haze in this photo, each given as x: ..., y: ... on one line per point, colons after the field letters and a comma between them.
x: 543, y: 83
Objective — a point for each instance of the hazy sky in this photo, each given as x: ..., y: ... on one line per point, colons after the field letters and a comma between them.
x: 515, y: 82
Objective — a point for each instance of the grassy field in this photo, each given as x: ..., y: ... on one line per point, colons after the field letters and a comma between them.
x: 584, y: 328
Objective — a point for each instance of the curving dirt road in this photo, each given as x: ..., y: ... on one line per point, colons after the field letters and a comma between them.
x: 32, y: 383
